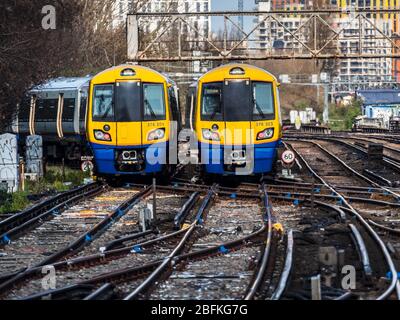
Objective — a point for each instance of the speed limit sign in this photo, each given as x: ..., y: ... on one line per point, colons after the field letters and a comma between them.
x: 87, y: 166
x: 288, y: 157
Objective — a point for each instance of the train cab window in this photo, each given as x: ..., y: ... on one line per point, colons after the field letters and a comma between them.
x: 103, y: 108
x: 211, y: 105
x: 153, y: 102
x: 69, y: 109
x: 263, y: 100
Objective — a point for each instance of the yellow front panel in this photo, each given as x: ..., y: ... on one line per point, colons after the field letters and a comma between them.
x: 238, y: 133
x: 129, y: 133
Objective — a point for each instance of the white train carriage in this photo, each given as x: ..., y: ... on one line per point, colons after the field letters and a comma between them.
x: 56, y: 110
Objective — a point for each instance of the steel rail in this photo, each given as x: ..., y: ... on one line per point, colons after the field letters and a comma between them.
x: 168, y: 261
x: 14, y: 233
x: 259, y: 276
x: 374, y: 235
x: 287, y: 269
x: 185, y: 210
x: 117, y: 242
x: 390, y: 161
x: 390, y: 230
x: 275, y: 195
x: 362, y: 250
x: 57, y: 202
x: 60, y: 292
x: 80, y: 242
x: 143, y: 270
x: 102, y: 293
x: 396, y: 195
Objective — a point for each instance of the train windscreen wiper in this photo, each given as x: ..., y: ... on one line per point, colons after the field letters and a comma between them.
x: 259, y: 109
x: 148, y: 106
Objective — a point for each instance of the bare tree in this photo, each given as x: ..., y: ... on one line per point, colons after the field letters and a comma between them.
x: 84, y: 41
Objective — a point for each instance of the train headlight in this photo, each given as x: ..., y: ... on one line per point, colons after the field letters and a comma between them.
x: 265, y: 134
x: 156, y: 134
x: 102, y: 136
x: 210, y: 135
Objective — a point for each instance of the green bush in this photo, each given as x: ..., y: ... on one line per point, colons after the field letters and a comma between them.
x: 341, y: 118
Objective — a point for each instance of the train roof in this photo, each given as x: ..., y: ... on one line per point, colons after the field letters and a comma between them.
x: 142, y: 72
x: 71, y: 83
x: 224, y: 72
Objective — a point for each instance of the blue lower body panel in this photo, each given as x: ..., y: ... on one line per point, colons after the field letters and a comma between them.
x: 154, y: 159
x: 262, y: 158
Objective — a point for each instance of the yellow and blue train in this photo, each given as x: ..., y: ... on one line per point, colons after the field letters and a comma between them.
x: 129, y: 119
x: 234, y: 111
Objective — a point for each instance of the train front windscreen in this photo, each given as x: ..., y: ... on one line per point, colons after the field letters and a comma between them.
x: 237, y: 100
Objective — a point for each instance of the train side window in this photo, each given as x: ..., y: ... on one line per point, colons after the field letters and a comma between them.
x: 46, y: 110
x: 69, y: 109
x: 24, y: 108
x: 263, y: 99
x: 103, y: 103
x: 211, y: 105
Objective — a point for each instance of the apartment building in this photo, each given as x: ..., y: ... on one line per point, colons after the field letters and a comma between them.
x: 351, y: 74
x: 196, y: 30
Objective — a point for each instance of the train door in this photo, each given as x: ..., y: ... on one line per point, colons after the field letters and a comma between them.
x: 237, y: 113
x: 128, y: 113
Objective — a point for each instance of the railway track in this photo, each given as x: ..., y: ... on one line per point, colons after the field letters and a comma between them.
x: 220, y: 242
x: 366, y: 234
x: 205, y: 242
x: 231, y: 270
x: 384, y: 172
x: 336, y: 171
x: 41, y: 243
x: 15, y: 224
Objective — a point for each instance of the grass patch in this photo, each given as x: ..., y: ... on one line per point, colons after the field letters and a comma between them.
x: 13, y: 202
x: 53, y: 181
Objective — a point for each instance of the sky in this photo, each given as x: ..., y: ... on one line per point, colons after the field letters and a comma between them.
x: 218, y: 5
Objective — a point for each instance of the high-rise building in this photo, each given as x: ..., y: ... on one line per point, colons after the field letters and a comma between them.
x: 351, y: 74
x: 196, y: 30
